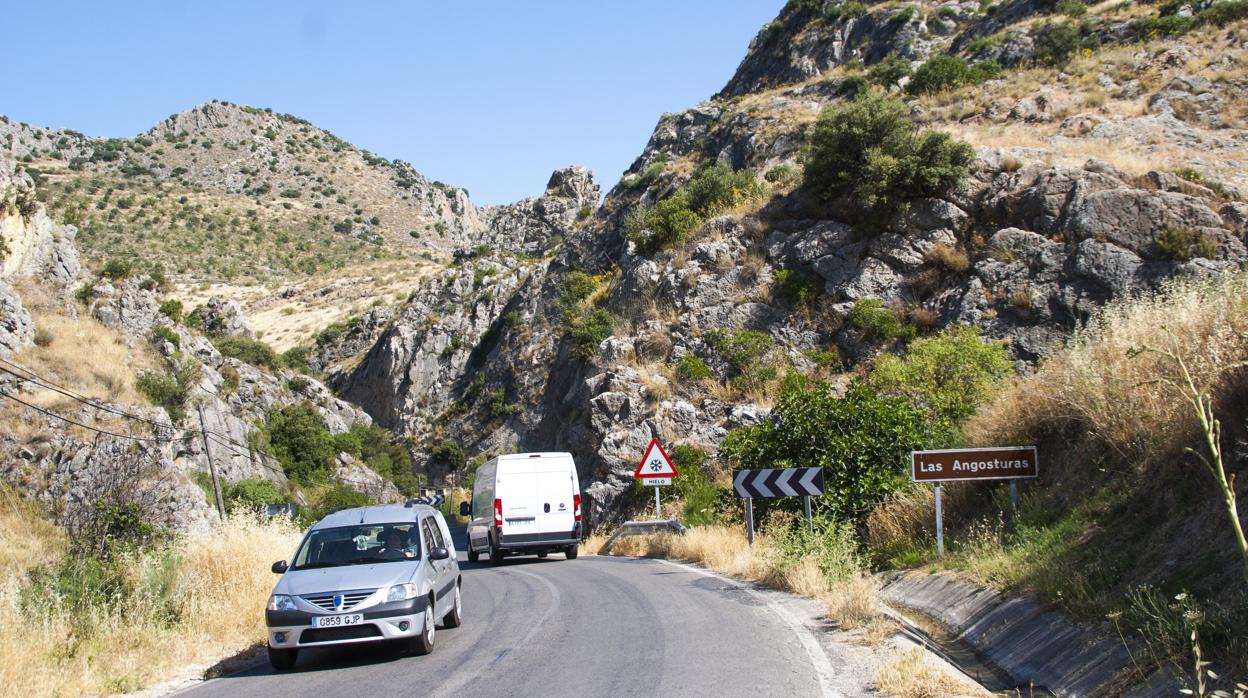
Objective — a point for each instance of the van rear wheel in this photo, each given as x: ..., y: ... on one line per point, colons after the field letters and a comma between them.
x: 496, y: 555
x: 571, y: 551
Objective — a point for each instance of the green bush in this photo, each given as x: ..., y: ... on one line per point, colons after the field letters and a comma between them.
x: 651, y: 228
x: 117, y: 269
x: 1056, y: 42
x: 744, y: 351
x: 833, y: 545
x: 575, y: 287
x: 169, y: 391
x: 949, y: 375
x: 853, y: 85
x: 937, y: 74
x: 718, y: 187
x: 651, y: 174
x: 870, y: 150
x: 172, y: 309
x: 984, y: 71
x: 296, y: 359
x: 251, y: 495
x: 862, y: 441
x: 701, y: 499
x: 890, y: 71
x: 876, y: 322
x: 450, y: 453
x: 980, y: 43
x: 589, y: 330
x: 382, y: 452
x: 251, y: 351
x: 796, y: 288
x: 1074, y: 9
x: 167, y: 334
x: 299, y: 439
x: 1182, y: 244
x: 335, y: 498
x: 692, y: 368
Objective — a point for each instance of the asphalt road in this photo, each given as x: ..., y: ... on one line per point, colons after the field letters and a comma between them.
x: 594, y: 626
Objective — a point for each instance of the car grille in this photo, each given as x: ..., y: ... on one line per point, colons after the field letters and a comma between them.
x: 350, y: 599
x: 351, y: 632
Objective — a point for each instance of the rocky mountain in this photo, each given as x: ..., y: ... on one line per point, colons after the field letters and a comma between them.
x: 1097, y: 173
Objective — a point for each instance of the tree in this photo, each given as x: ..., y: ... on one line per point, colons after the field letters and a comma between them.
x: 937, y: 74
x: 301, y: 441
x: 871, y: 151
x: 861, y: 441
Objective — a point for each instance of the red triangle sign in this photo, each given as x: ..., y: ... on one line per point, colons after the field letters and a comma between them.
x: 655, y: 463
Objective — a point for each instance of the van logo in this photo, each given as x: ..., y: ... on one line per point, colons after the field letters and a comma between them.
x: 337, y: 602
x: 561, y: 506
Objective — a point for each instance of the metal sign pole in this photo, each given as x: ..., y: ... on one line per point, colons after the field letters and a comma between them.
x: 749, y: 516
x: 1014, y: 495
x: 940, y: 528
x: 658, y: 513
x: 810, y: 522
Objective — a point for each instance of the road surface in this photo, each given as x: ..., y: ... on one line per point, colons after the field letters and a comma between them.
x: 594, y: 626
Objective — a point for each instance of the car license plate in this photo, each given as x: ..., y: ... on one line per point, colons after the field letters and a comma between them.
x: 337, y: 621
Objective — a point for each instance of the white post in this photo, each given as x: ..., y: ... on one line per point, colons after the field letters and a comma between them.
x: 749, y: 516
x: 658, y: 513
x: 940, y: 528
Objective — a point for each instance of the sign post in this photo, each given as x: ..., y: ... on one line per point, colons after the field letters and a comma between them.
x: 777, y: 482
x: 656, y: 470
x: 998, y: 463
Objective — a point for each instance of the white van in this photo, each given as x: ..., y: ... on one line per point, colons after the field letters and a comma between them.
x: 523, y: 504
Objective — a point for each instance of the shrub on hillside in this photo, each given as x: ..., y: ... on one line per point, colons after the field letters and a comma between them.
x: 949, y: 375
x: 251, y: 495
x: 575, y: 287
x: 796, y: 288
x: 878, y: 323
x: 170, y: 390
x: 709, y: 192
x: 300, y: 440
x: 450, y: 453
x: 116, y: 269
x: 744, y: 351
x: 871, y: 151
x: 889, y: 72
x: 1182, y: 244
x: 862, y: 442
x: 701, y: 500
x: 939, y: 73
x: 692, y: 368
x: 1056, y: 42
x: 589, y: 330
x: 719, y: 187
x: 382, y: 452
x: 172, y: 309
x: 251, y: 351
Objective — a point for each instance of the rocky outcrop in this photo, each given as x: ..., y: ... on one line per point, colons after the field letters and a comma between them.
x: 224, y: 317
x: 17, y: 329
x: 360, y: 478
x: 535, y: 226
x: 31, y: 245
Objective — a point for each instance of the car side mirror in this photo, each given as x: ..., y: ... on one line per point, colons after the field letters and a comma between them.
x: 280, y: 567
x: 465, y: 509
x: 439, y: 554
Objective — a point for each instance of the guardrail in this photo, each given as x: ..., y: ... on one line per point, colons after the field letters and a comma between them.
x: 642, y: 528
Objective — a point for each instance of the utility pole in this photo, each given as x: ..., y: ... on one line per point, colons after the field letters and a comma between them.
x: 212, y: 467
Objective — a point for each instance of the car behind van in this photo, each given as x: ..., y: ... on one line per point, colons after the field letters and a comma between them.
x: 524, y: 504
x: 362, y: 575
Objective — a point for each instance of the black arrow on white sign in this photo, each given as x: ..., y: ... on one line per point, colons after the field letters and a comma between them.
x: 432, y: 500
x: 778, y: 482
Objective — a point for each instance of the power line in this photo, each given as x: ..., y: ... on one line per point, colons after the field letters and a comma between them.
x: 42, y: 382
x: 105, y: 432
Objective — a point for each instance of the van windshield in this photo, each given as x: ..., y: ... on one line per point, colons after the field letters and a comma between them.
x: 365, y: 544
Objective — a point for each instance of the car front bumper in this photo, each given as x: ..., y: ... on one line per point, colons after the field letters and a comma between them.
x: 388, y: 621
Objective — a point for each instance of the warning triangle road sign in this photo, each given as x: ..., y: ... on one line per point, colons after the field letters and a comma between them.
x: 655, y: 463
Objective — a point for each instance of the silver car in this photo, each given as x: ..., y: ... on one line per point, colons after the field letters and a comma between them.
x: 366, y: 574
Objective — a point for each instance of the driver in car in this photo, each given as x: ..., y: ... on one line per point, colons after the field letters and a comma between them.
x: 395, y: 546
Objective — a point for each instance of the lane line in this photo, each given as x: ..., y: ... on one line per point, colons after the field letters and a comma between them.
x: 462, y: 677
x: 814, y: 651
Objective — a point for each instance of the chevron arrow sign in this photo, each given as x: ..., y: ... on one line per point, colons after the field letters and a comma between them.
x: 778, y: 482
x: 431, y: 500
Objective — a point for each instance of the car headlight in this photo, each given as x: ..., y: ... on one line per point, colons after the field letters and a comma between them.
x: 281, y: 602
x: 401, y: 592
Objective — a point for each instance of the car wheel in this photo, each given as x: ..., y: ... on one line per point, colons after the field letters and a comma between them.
x: 423, y: 643
x: 571, y: 551
x: 473, y: 555
x: 496, y: 555
x: 283, y: 660
x: 455, y: 617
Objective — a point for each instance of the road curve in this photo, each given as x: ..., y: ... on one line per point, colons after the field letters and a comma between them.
x: 595, y: 626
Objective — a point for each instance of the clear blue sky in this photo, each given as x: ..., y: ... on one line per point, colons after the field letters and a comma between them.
x: 491, y: 96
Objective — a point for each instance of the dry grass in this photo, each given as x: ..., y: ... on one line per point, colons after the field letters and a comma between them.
x: 1095, y: 390
x: 86, y: 356
x: 910, y: 675
x: 852, y: 599
x: 221, y: 581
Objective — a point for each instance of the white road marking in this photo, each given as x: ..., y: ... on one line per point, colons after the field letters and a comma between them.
x: 823, y: 667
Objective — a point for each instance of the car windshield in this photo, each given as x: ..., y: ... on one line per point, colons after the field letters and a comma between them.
x: 365, y: 544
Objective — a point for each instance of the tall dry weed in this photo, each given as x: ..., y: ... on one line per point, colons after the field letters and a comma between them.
x: 910, y: 675
x: 200, y: 601
x: 1094, y: 390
